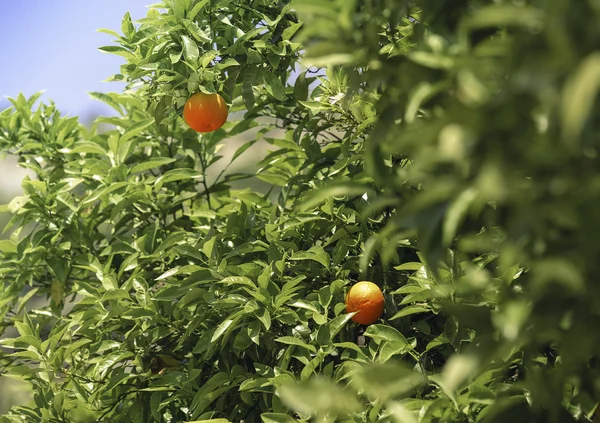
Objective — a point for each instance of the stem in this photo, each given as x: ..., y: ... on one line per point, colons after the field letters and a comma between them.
x: 172, y: 138
x: 206, y: 189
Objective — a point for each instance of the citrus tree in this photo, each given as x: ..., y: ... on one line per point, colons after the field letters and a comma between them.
x: 441, y: 153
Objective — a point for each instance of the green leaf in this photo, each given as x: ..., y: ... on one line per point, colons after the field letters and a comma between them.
x: 209, y: 421
x: 274, y: 86
x: 135, y: 129
x: 176, y: 175
x: 504, y: 15
x: 88, y: 147
x: 209, y: 392
x: 247, y: 86
x: 242, y: 149
x: 127, y: 26
x: 197, y: 8
x: 456, y: 213
x: 301, y: 87
x: 151, y: 164
x: 291, y: 340
x: 384, y: 381
x: 277, y: 418
x: 103, y: 191
x: 335, y: 189
x: 314, y: 106
x: 579, y: 94
x: 329, y: 330
x: 264, y: 316
x: 412, y: 309
x: 305, y: 305
x: 239, y: 280
x: 291, y: 30
x: 107, y: 99
x: 319, y: 396
x: 385, y: 333
x: 17, y: 203
x: 412, y: 266
x: 190, y: 49
x: 458, y: 369
x: 312, y: 365
x: 315, y: 253
x: 223, y: 326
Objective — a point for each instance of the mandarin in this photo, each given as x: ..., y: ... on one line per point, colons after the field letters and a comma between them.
x: 366, y: 298
x: 205, y: 112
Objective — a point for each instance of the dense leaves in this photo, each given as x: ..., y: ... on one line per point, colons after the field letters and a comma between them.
x: 446, y: 151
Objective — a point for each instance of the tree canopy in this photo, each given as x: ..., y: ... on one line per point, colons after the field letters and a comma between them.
x: 446, y: 151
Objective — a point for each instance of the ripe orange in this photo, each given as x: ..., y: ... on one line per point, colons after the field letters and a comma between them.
x: 367, y: 299
x: 205, y: 112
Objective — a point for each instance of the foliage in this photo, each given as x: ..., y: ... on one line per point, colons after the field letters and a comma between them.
x: 443, y: 150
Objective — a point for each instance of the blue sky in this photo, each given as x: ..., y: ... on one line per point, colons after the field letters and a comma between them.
x: 53, y: 46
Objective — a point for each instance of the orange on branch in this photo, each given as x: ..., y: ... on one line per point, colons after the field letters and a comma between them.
x: 205, y: 112
x: 366, y: 298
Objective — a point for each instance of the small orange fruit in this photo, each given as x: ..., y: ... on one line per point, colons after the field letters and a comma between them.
x: 205, y: 112
x: 367, y: 299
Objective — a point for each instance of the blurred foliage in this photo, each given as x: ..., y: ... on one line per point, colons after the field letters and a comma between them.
x: 446, y: 151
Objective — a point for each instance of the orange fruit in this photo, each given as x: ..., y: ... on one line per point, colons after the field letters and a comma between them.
x: 366, y: 298
x: 205, y: 112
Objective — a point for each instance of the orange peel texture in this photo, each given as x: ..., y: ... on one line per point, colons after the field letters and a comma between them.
x: 366, y: 298
x: 205, y: 112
